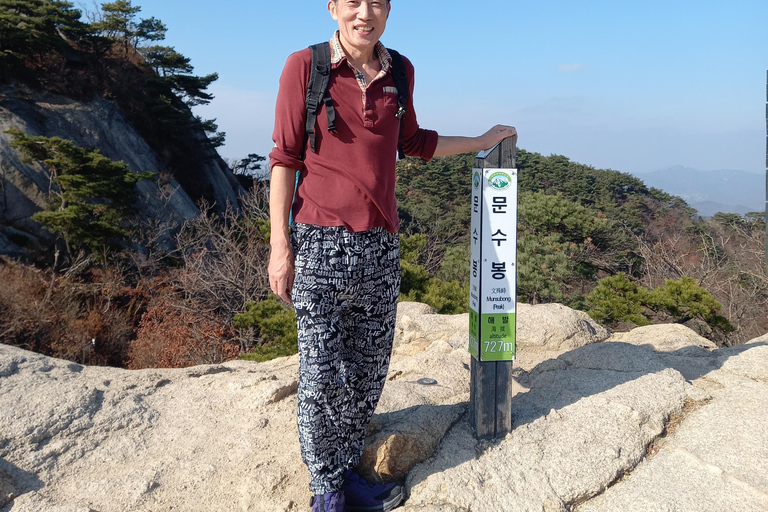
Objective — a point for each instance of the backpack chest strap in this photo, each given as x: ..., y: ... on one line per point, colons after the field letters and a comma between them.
x: 317, y: 92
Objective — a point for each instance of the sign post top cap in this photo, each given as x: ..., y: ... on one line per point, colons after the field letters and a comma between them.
x: 486, y: 152
x: 500, y: 156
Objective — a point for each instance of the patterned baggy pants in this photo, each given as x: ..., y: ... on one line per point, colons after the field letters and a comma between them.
x: 345, y: 294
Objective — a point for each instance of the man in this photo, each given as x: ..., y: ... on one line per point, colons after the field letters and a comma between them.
x: 340, y: 266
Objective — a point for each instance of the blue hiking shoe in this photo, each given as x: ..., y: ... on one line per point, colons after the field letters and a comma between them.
x: 363, y: 496
x: 328, y: 502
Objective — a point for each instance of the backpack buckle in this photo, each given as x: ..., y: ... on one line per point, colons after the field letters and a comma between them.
x: 400, y: 112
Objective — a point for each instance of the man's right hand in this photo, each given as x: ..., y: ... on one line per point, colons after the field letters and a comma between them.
x: 281, y: 271
x: 281, y: 259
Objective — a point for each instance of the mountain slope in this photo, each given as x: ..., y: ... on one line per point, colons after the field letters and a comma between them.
x: 100, y: 124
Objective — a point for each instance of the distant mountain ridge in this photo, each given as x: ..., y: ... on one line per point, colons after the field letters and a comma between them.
x: 725, y: 190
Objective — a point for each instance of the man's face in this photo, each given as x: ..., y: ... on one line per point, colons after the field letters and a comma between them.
x: 361, y: 22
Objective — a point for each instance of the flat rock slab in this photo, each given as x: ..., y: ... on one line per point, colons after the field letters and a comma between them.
x: 207, y: 438
x: 717, y: 459
x: 556, y: 327
x: 223, y: 437
x: 664, y: 337
x: 587, y: 419
x: 76, y: 438
x: 677, y: 481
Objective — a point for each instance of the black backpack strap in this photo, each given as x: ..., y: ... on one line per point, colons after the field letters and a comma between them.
x: 400, y: 77
x: 317, y: 91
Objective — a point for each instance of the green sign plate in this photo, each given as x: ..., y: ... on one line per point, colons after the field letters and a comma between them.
x: 498, y: 337
x: 474, y: 334
x: 492, y: 336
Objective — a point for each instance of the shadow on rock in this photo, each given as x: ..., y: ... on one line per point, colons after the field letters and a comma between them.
x: 595, y: 369
x: 399, y: 440
x: 14, y: 482
x: 581, y: 421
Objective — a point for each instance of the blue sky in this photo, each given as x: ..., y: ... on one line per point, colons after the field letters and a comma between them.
x: 630, y: 86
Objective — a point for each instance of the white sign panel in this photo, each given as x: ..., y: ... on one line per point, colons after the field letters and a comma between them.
x: 493, y: 281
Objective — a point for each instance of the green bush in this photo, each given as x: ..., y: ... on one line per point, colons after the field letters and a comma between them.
x: 685, y: 300
x: 93, y: 196
x: 413, y: 282
x: 456, y: 264
x: 617, y: 299
x: 276, y: 327
x: 447, y: 297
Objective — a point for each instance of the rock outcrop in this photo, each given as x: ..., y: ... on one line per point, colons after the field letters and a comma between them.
x: 99, y: 124
x: 650, y: 420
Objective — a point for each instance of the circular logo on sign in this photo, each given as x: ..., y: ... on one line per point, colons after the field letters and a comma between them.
x: 476, y: 180
x: 499, y: 180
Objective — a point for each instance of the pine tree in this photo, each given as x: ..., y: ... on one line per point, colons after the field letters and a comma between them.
x: 685, y: 300
x: 91, y: 196
x: 553, y: 235
x: 34, y: 27
x: 617, y: 299
x: 165, y: 60
x: 118, y: 22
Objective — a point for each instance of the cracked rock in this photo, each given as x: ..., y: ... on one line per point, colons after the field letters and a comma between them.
x: 224, y: 437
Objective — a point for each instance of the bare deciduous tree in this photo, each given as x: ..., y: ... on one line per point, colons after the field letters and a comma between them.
x: 225, y: 257
x: 726, y: 257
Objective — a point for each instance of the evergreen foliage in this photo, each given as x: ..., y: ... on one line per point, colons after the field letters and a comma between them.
x: 91, y: 196
x: 555, y: 235
x: 617, y: 299
x: 166, y: 61
x: 543, y: 268
x: 685, y: 300
x: 30, y: 28
x: 275, y: 325
x: 449, y: 295
x: 432, y: 196
x: 117, y: 21
x: 248, y: 166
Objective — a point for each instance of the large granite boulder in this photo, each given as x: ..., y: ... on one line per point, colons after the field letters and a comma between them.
x: 664, y: 337
x: 600, y: 427
x: 541, y: 327
x: 556, y: 327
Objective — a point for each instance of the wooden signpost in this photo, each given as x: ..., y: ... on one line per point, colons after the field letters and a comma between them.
x: 493, y: 282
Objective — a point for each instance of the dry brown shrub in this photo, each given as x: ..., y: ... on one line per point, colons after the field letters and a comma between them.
x: 225, y: 258
x: 76, y: 315
x: 96, y: 336
x: 172, y: 335
x: 726, y: 259
x: 24, y: 318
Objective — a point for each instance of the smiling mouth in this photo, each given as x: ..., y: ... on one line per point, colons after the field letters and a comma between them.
x: 364, y: 30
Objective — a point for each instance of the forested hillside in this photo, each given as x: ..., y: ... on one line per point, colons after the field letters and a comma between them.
x: 51, y: 46
x: 106, y: 292
x: 597, y: 240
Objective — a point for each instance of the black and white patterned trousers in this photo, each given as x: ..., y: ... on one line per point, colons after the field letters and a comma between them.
x: 345, y: 294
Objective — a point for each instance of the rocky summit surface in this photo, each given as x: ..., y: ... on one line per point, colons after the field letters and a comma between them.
x: 652, y: 420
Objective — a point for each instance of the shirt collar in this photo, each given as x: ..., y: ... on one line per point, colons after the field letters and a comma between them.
x: 337, y: 53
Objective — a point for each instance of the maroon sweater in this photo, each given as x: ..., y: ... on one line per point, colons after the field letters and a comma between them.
x: 350, y: 181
